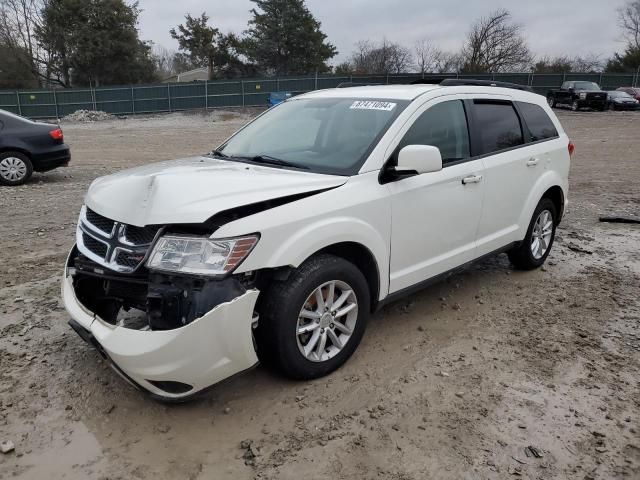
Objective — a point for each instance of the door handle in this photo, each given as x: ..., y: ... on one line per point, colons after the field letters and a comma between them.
x: 532, y: 162
x: 472, y: 179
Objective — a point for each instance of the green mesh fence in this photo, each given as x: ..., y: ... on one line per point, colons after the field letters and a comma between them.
x: 169, y: 97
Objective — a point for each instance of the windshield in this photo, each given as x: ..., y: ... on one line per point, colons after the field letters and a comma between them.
x: 586, y: 86
x: 323, y: 135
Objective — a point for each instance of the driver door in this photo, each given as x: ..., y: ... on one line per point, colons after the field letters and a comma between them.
x: 435, y: 216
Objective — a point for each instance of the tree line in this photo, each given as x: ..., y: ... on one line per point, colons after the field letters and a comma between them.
x: 65, y: 43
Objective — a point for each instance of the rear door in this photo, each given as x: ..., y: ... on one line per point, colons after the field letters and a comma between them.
x: 510, y: 170
x: 435, y: 215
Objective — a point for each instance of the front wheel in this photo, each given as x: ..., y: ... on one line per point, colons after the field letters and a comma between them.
x: 535, y: 248
x: 575, y: 106
x: 551, y: 102
x: 311, y: 323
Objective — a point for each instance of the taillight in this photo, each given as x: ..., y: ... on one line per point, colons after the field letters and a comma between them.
x: 57, y: 134
x: 572, y: 148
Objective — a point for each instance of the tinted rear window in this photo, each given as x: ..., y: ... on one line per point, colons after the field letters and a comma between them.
x: 499, y: 126
x: 538, y: 122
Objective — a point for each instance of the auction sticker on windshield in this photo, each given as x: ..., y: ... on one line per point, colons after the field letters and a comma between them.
x: 372, y: 105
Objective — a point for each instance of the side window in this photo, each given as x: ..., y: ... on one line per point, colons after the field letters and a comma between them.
x: 498, y: 126
x: 538, y: 122
x: 444, y: 126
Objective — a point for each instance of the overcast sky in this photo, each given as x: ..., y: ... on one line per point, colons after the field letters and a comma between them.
x: 552, y: 27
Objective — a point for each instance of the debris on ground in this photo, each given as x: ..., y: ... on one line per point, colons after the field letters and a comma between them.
x: 7, y: 446
x: 531, y: 451
x: 250, y: 452
x: 577, y: 248
x: 619, y: 219
x: 87, y: 116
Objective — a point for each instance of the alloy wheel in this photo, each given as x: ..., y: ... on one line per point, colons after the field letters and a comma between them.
x: 12, y: 169
x: 541, y: 234
x: 326, y: 321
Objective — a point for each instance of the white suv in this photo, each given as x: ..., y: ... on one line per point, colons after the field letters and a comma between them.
x: 280, y: 244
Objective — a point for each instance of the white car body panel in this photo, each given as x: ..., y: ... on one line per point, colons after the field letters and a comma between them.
x: 192, y: 190
x: 358, y: 211
x: 202, y: 353
x: 415, y: 228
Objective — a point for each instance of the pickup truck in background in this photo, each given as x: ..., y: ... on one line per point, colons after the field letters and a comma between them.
x: 577, y: 95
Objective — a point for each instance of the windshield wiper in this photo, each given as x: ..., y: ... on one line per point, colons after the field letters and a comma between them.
x: 218, y: 153
x: 275, y: 161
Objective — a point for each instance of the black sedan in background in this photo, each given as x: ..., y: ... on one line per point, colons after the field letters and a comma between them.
x: 617, y: 100
x: 27, y: 146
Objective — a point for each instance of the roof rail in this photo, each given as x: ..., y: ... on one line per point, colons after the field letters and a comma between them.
x: 454, y: 82
x: 354, y: 84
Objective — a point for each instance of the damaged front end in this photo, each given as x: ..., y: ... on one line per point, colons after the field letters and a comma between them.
x: 169, y: 333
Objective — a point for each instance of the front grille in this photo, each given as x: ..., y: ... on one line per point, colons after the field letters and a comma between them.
x: 127, y: 260
x: 101, y: 223
x: 117, y: 246
x: 95, y: 246
x: 140, y: 235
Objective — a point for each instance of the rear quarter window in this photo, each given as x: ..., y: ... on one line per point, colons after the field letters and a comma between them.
x: 538, y: 122
x: 498, y: 126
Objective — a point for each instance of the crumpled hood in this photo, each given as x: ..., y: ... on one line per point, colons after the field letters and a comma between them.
x: 192, y: 190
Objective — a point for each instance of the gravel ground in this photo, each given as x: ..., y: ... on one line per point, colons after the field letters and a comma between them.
x: 454, y: 382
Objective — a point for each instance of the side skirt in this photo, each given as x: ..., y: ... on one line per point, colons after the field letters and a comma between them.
x: 436, y: 279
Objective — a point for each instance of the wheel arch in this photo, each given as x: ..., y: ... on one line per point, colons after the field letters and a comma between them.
x: 362, y: 258
x: 551, y: 185
x: 556, y: 195
x: 16, y: 150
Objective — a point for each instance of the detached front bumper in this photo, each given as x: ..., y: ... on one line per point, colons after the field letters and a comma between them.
x: 173, y: 364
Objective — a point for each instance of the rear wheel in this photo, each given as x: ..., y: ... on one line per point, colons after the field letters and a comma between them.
x: 551, y: 101
x: 15, y: 168
x: 311, y: 323
x: 535, y: 248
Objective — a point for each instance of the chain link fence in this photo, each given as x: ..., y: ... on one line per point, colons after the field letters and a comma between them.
x: 171, y: 97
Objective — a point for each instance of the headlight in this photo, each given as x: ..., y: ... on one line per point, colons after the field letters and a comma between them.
x: 200, y: 255
x: 583, y: 95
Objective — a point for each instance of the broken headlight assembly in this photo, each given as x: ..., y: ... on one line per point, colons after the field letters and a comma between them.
x: 200, y: 255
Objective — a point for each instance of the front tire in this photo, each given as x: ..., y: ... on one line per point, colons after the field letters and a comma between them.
x: 536, y: 246
x: 15, y: 168
x: 551, y: 101
x: 575, y: 106
x: 312, y: 322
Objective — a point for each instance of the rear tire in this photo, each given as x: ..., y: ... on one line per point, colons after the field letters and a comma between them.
x: 541, y: 233
x: 15, y: 168
x: 297, y: 333
x: 551, y: 101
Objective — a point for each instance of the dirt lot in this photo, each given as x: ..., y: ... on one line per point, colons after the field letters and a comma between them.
x: 455, y: 382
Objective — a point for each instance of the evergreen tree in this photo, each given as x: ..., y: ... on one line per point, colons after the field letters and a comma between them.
x: 284, y: 38
x: 96, y: 42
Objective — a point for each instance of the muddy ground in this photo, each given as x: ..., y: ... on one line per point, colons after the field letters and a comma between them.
x: 454, y: 382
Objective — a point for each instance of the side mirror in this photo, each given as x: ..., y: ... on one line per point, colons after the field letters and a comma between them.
x: 419, y: 158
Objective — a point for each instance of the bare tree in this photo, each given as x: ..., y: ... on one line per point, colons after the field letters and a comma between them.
x: 164, y: 61
x: 427, y: 56
x: 496, y: 44
x: 19, y: 20
x: 387, y: 57
x: 590, y: 63
x: 629, y: 21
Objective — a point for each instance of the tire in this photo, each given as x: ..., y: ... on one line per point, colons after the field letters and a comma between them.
x: 278, y: 335
x: 552, y: 102
x: 575, y: 106
x: 15, y: 168
x: 522, y: 257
